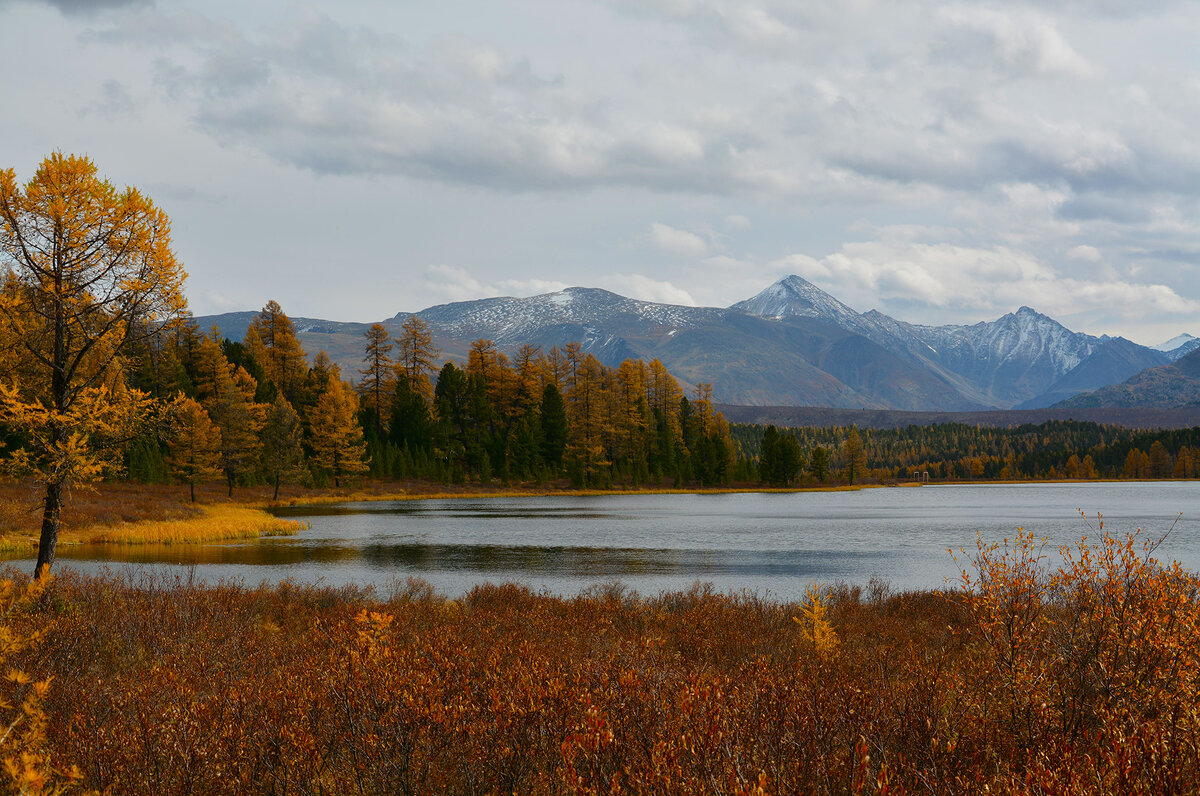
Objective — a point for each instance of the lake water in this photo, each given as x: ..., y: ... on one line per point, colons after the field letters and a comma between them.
x: 773, y: 544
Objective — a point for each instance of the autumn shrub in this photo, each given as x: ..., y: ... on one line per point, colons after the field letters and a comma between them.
x: 1033, y: 679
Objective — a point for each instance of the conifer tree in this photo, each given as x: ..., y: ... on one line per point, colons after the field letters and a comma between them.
x: 271, y: 339
x: 819, y: 464
x: 554, y: 427
x: 417, y: 355
x: 855, y: 465
x: 227, y: 394
x: 195, y: 444
x: 282, y: 438
x: 338, y: 447
x: 378, y: 378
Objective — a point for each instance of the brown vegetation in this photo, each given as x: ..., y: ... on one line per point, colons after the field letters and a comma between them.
x: 1082, y: 679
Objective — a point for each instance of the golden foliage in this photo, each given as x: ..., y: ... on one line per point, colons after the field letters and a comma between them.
x: 814, y: 622
x: 25, y: 750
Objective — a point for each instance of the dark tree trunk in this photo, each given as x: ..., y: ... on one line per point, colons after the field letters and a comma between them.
x: 193, y: 488
x: 276, y: 487
x: 50, y: 522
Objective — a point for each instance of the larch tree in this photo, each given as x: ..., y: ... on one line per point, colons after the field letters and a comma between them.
x: 271, y: 339
x: 585, y: 399
x: 337, y: 440
x: 88, y: 268
x: 855, y: 465
x: 417, y: 355
x: 195, y: 444
x: 378, y: 379
x: 227, y: 393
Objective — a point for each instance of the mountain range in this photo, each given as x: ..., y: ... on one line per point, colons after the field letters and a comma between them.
x: 792, y: 344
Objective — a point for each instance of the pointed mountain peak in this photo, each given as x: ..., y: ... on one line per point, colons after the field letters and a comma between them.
x: 795, y: 296
x: 1175, y: 342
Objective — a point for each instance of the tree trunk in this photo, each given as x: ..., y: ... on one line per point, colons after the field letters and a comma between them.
x: 193, y: 488
x: 276, y: 487
x: 50, y: 522
x: 229, y: 480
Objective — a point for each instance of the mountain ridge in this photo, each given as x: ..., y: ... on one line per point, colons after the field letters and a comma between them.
x: 791, y: 343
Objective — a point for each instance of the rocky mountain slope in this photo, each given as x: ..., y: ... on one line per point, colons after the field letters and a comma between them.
x: 1176, y: 384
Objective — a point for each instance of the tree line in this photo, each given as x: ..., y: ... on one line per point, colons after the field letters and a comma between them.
x: 1057, y: 449
x: 254, y: 411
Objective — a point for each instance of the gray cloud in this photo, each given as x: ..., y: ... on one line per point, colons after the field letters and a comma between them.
x: 83, y: 7
x: 1034, y: 128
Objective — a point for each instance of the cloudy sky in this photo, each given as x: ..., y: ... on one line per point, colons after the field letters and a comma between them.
x: 939, y: 161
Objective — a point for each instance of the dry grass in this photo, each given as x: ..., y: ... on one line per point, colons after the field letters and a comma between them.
x: 215, y: 523
x: 138, y: 514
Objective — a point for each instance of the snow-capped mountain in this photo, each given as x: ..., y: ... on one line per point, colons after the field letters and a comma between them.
x: 1174, y: 343
x: 791, y: 344
x: 796, y: 297
x: 1179, y: 346
x: 508, y: 320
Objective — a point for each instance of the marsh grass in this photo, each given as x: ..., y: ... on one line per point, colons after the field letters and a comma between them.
x: 215, y: 523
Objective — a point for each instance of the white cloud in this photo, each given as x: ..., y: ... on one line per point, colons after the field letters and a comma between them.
x: 1023, y: 42
x: 451, y: 283
x: 677, y: 242
x: 737, y: 221
x: 1085, y: 254
x: 647, y: 289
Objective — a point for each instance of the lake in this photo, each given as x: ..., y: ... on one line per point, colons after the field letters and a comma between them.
x: 772, y: 544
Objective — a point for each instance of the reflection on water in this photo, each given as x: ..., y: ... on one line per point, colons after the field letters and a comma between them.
x: 770, y: 543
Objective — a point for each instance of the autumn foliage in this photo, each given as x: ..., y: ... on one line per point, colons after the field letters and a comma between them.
x: 1076, y: 678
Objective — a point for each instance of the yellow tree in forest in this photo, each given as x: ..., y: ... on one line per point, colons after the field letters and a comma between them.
x: 195, y: 444
x: 855, y: 458
x: 227, y: 393
x: 271, y: 339
x: 89, y: 268
x: 337, y: 440
x: 663, y: 393
x: 417, y: 354
x: 585, y: 404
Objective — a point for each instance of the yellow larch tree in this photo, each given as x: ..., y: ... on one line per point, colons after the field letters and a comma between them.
x: 195, y: 444
x: 585, y: 398
x: 339, y: 450
x: 88, y: 268
x: 271, y: 339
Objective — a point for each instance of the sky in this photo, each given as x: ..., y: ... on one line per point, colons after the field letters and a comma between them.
x: 942, y: 162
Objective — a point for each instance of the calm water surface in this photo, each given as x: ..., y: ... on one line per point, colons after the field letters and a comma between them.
x: 773, y: 544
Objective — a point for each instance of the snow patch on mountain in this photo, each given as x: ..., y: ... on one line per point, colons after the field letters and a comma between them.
x: 794, y: 296
x: 1174, y: 342
x: 508, y: 319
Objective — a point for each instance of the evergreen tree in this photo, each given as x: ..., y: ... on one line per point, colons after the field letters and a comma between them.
x: 819, y: 465
x: 554, y: 427
x: 282, y: 438
x: 416, y: 357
